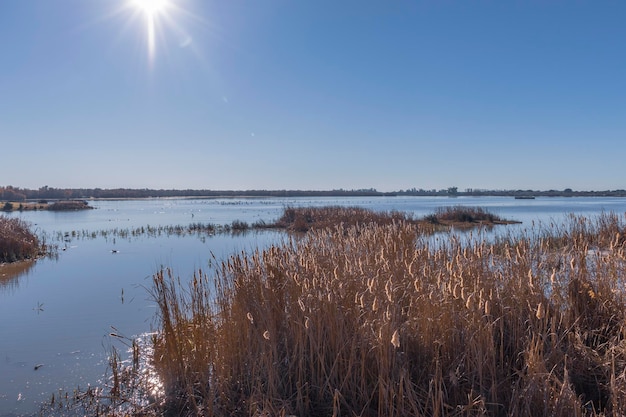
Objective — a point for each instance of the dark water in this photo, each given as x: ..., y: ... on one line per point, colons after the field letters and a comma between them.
x: 56, y: 314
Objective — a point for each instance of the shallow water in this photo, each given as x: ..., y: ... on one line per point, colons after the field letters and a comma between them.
x: 56, y: 315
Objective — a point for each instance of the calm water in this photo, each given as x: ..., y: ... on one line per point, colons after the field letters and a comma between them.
x: 58, y: 313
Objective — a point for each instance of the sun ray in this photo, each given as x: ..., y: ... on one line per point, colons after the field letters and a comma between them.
x: 152, y: 10
x: 161, y: 23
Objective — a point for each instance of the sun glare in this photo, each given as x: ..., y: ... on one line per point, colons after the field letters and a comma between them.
x: 162, y: 23
x: 151, y: 7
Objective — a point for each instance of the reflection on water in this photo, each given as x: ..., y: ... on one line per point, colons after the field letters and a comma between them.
x: 10, y: 274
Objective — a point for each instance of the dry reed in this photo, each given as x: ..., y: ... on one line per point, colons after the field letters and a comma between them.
x: 17, y: 242
x: 377, y: 320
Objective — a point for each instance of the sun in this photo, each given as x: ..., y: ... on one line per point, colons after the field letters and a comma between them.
x: 151, y: 7
x: 158, y: 22
x: 153, y: 10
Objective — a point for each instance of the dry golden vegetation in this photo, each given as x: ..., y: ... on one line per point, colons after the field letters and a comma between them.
x: 17, y: 242
x: 379, y: 317
x: 381, y: 320
x: 302, y: 219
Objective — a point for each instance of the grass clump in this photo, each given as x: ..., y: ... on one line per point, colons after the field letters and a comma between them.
x: 69, y: 205
x: 464, y: 214
x: 17, y: 242
x: 302, y: 219
x: 374, y: 320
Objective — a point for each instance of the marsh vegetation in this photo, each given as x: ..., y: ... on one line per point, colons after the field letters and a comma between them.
x: 303, y: 219
x: 371, y: 319
x: 17, y: 241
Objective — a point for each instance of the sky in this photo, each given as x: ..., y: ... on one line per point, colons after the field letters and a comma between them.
x: 318, y: 95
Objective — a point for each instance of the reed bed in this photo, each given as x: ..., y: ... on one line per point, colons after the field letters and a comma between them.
x: 459, y: 215
x: 380, y: 320
x: 302, y: 219
x: 17, y: 242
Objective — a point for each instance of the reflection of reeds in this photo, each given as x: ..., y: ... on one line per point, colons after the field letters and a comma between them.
x: 9, y: 273
x: 371, y: 320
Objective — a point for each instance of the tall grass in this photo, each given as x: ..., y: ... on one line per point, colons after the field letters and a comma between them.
x: 372, y: 320
x: 464, y: 214
x: 17, y: 242
x: 302, y: 219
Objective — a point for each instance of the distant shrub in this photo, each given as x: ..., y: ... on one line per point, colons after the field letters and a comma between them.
x: 69, y: 205
x: 463, y: 214
x: 17, y: 242
x: 7, y: 207
x: 432, y: 218
x: 239, y: 225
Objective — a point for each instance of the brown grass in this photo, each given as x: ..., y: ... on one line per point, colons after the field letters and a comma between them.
x: 17, y: 242
x: 302, y: 219
x: 465, y: 215
x: 372, y: 320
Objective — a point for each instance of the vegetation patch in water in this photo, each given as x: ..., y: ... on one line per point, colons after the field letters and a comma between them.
x: 17, y: 242
x: 61, y: 205
x: 302, y: 219
x: 465, y: 216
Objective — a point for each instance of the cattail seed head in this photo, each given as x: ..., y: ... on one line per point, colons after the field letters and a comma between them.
x: 541, y: 312
x: 395, y: 339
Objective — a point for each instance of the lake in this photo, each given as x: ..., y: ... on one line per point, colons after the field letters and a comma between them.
x: 56, y: 315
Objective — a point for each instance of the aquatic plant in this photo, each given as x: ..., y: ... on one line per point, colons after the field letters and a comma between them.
x: 302, y: 219
x: 69, y: 205
x: 17, y: 242
x: 463, y: 214
x: 374, y: 320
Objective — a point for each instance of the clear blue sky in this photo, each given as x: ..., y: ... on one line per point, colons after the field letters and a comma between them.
x: 324, y: 94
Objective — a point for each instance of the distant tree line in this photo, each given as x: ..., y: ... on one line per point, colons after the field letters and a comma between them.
x: 11, y: 193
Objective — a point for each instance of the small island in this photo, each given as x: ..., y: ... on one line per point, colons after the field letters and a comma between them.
x: 302, y: 219
x: 61, y: 205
